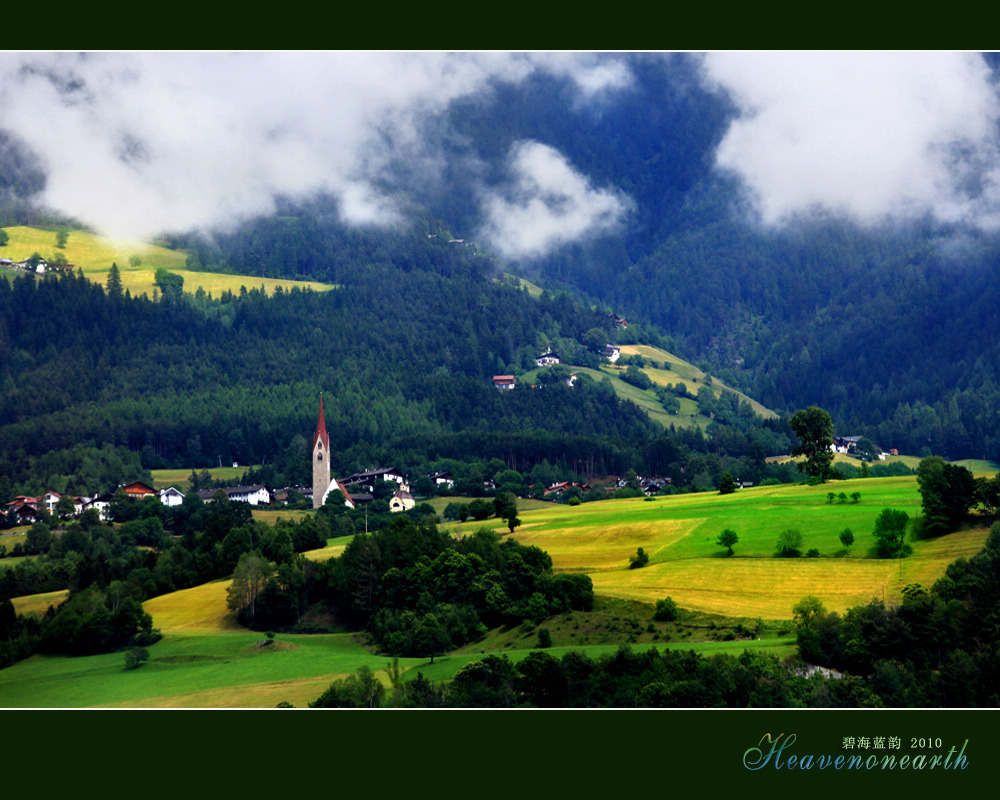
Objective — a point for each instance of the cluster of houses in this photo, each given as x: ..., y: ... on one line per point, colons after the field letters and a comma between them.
x: 649, y: 485
x: 549, y: 359
x: 40, y: 267
x: 357, y: 488
x: 25, y: 510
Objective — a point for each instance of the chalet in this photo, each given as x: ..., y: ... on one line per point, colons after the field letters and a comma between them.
x: 138, y: 490
x: 611, y: 352
x: 504, y: 382
x: 546, y: 359
x: 255, y: 495
x: 571, y: 380
x: 24, y: 509
x: 443, y: 479
x: 371, y: 477
x: 401, y: 501
x: 620, y: 322
x: 844, y: 444
x: 101, y: 504
x: 49, y: 500
x: 171, y: 496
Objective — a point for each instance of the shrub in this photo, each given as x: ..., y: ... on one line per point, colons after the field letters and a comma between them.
x: 666, y: 610
x: 813, y: 553
x: 789, y: 543
x: 135, y: 657
x: 640, y: 559
x: 544, y: 637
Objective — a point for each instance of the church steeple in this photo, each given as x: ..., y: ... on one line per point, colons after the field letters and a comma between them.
x: 321, y: 434
x: 320, y: 458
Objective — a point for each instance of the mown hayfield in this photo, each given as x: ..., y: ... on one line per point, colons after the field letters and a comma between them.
x: 334, y: 547
x: 95, y: 254
x: 38, y: 604
x: 272, y: 515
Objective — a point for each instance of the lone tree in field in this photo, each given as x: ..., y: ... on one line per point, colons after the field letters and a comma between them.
x: 890, y: 534
x: 727, y: 539
x: 61, y: 238
x: 847, y: 538
x: 727, y: 484
x: 947, y: 492
x: 640, y: 559
x: 789, y: 543
x: 814, y: 428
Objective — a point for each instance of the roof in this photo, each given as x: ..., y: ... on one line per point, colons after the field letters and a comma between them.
x: 321, y: 434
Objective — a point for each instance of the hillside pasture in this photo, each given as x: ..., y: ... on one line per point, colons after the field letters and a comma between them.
x: 675, y: 371
x: 94, y: 255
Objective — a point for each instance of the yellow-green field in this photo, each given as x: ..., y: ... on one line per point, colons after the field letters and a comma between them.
x: 95, y: 254
x: 38, y: 604
x: 682, y: 372
x: 679, y: 533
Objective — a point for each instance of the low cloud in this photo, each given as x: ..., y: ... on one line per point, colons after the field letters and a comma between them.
x: 137, y: 143
x: 873, y: 136
x: 547, y: 204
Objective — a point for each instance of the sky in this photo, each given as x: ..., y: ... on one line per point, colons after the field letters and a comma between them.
x: 137, y: 143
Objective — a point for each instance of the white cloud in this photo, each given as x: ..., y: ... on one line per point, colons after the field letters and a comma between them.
x: 871, y: 135
x: 547, y: 204
x: 135, y: 143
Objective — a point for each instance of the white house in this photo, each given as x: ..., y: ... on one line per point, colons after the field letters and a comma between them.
x: 256, y: 495
x: 547, y: 359
x: 171, y: 496
x: 612, y: 352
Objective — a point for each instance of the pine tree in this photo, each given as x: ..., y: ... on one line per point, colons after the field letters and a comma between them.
x: 114, y: 283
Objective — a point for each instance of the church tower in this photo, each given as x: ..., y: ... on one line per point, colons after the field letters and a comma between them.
x: 320, y: 458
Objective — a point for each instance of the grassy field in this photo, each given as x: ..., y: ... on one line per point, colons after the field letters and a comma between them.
x: 679, y: 533
x: 95, y: 254
x: 162, y: 478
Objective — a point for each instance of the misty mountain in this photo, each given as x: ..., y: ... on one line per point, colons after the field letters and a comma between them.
x: 816, y: 229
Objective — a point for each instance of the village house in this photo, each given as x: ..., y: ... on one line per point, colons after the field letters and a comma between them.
x: 171, y: 496
x: 546, y: 359
x: 504, y: 382
x: 611, y: 352
x: 138, y: 490
x: 443, y: 479
x: 256, y: 495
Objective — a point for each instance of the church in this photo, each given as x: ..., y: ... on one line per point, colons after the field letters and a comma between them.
x: 323, y: 484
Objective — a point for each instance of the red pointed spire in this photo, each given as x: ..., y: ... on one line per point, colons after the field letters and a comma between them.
x: 321, y: 434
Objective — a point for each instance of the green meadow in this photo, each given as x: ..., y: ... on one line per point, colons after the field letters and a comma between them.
x: 163, y: 478
x: 93, y: 255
